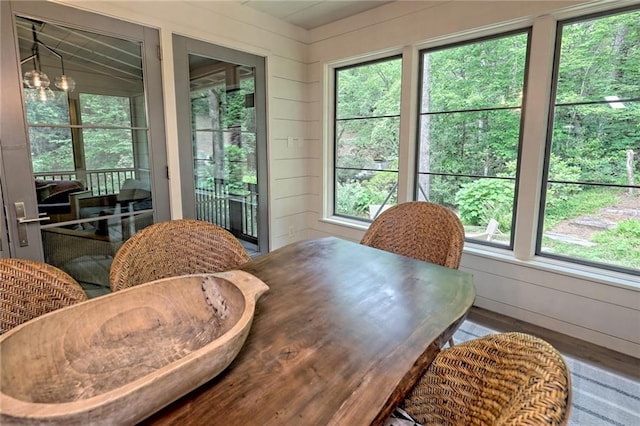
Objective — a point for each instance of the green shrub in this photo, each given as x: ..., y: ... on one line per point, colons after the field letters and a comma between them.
x: 355, y: 193
x: 559, y: 193
x: 380, y: 185
x: 354, y: 198
x: 351, y: 199
x: 485, y: 199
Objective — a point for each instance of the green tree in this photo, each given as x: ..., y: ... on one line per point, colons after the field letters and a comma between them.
x: 110, y: 144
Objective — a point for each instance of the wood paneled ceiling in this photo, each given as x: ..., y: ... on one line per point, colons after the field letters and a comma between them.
x: 312, y: 14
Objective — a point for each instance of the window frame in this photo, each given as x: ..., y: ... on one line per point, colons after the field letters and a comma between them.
x: 387, y: 57
x: 551, y: 108
x: 86, y: 125
x: 525, y: 30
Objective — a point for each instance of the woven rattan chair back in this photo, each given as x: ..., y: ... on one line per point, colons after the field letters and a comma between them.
x: 421, y: 230
x: 29, y: 289
x: 502, y: 379
x: 173, y: 248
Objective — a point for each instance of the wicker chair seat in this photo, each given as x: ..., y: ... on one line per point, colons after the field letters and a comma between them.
x: 30, y: 288
x: 501, y: 379
x: 173, y: 248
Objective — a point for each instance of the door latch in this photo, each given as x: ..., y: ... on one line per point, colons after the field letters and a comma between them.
x: 22, y: 219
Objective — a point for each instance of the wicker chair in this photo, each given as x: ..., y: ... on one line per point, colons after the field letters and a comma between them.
x: 29, y: 289
x: 500, y: 379
x: 172, y: 248
x: 421, y: 230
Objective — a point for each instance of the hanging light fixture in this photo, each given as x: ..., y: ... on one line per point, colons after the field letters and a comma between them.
x: 36, y: 79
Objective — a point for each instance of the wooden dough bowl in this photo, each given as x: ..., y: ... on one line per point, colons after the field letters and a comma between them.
x: 118, y: 358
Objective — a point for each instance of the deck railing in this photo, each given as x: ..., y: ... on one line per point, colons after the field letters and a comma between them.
x: 237, y: 213
x: 100, y: 182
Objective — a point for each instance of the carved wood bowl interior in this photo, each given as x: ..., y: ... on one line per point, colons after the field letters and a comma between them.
x: 121, y: 357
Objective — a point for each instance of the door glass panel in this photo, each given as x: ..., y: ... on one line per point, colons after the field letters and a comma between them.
x: 224, y: 146
x: 88, y: 145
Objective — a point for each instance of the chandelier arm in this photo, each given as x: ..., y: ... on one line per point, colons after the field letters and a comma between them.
x: 63, y: 82
x: 28, y: 58
x: 54, y: 52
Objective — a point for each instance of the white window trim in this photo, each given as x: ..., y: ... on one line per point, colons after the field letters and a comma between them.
x: 534, y: 136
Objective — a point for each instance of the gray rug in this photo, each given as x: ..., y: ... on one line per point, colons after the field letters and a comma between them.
x: 600, y: 397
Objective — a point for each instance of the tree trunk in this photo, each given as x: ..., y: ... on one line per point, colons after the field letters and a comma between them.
x: 630, y: 170
x: 425, y: 139
x: 217, y: 137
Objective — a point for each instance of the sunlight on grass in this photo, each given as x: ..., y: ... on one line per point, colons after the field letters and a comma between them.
x: 617, y: 246
x: 586, y: 202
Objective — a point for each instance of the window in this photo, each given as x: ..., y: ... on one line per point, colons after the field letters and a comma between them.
x: 107, y: 135
x: 591, y: 196
x: 49, y: 133
x: 367, y: 131
x: 224, y: 130
x: 470, y: 114
x: 580, y: 198
x: 106, y: 132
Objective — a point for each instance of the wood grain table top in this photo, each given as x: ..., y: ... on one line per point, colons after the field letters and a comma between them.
x: 344, y: 331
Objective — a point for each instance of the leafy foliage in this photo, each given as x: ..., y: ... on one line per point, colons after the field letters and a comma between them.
x: 235, y: 159
x: 224, y: 143
x: 470, y: 123
x: 559, y: 170
x: 367, y: 134
x: 356, y: 196
x: 51, y: 148
x: 107, y: 145
x: 486, y: 199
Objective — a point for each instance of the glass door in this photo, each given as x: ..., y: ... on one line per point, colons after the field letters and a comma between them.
x: 224, y: 120
x: 86, y: 182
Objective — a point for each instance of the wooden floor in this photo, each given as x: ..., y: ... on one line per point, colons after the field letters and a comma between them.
x: 607, y: 359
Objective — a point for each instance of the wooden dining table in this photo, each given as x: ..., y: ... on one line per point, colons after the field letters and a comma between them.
x: 342, y: 334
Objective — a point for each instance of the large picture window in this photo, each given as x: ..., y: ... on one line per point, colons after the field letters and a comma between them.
x: 591, y: 208
x: 470, y: 112
x: 571, y: 180
x: 367, y: 132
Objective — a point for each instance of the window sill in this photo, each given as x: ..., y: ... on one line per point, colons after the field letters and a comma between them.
x: 359, y: 225
x: 583, y: 272
x: 589, y: 273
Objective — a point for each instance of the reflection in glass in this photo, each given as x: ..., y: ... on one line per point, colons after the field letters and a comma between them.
x: 223, y: 120
x: 88, y: 148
